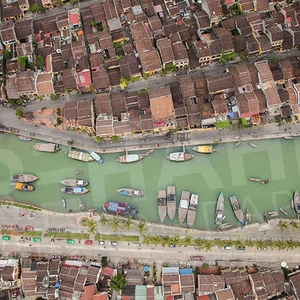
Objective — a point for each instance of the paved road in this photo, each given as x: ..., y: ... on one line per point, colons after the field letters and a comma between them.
x: 42, y: 221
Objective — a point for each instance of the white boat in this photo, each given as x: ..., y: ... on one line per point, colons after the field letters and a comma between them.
x: 63, y: 203
x: 96, y: 157
x: 253, y: 145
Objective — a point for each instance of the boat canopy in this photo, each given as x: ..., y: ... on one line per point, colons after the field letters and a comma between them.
x: 184, y: 204
x: 177, y: 156
x: 205, y: 149
x: 131, y: 157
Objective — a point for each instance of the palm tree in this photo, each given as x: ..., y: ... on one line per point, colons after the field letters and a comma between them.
x: 165, y: 240
x: 142, y: 226
x: 175, y: 240
x: 199, y: 243
x: 249, y: 243
x: 103, y: 220
x: 147, y: 239
x: 91, y: 224
x: 156, y: 240
x: 282, y: 225
x: 294, y: 225
x: 187, y: 241
x: 128, y: 223
x: 115, y: 223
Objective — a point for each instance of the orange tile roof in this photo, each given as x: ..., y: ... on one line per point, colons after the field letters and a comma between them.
x: 88, y: 293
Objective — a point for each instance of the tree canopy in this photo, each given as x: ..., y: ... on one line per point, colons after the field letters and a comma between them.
x: 118, y: 282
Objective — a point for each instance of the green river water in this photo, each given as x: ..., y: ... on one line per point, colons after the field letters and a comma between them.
x: 205, y: 175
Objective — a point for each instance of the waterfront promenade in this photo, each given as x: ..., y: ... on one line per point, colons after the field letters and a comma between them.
x: 134, y: 142
x: 43, y: 220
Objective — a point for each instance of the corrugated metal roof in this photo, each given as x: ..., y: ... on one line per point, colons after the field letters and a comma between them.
x: 170, y: 270
x: 186, y: 271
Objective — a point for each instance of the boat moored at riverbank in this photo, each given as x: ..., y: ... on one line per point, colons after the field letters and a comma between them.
x: 96, y: 157
x: 253, y: 145
x: 206, y: 149
x: 131, y: 192
x: 171, y: 201
x: 237, y: 209
x: 78, y: 155
x: 46, y: 147
x: 183, y: 206
x: 296, y: 199
x: 24, y: 178
x: 265, y: 181
x: 162, y: 205
x: 131, y: 158
x: 81, y: 205
x: 24, y: 138
x: 119, y: 208
x: 78, y: 190
x: 74, y: 182
x: 284, y: 211
x: 23, y: 187
x: 220, y: 209
x: 63, y: 203
x: 192, y: 210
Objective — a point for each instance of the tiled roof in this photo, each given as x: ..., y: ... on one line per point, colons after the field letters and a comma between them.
x: 150, y: 61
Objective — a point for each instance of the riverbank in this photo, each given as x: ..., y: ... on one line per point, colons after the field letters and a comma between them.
x: 137, y: 142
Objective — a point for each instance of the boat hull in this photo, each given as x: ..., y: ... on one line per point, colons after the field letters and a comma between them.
x: 81, y: 156
x: 237, y: 209
x: 24, y: 138
x: 74, y: 190
x: 171, y: 202
x: 220, y: 209
x: 74, y: 182
x: 205, y: 149
x: 131, y: 192
x: 162, y: 205
x: 63, y: 204
x: 22, y: 187
x: 183, y: 206
x: 119, y: 208
x: 179, y: 156
x: 254, y: 179
x: 46, y: 147
x: 192, y: 211
x: 130, y: 158
x: 296, y: 202
x: 24, y: 178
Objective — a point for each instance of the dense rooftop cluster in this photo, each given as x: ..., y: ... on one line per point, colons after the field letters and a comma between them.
x: 96, y: 47
x: 80, y: 279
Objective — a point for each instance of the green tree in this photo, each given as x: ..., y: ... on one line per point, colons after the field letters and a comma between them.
x: 123, y: 83
x: 93, y: 23
x: 205, y: 266
x: 104, y: 261
x: 243, y: 122
x: 187, y: 241
x: 19, y: 113
x: 282, y: 225
x: 97, y: 139
x: 58, y: 121
x: 6, y: 54
x: 23, y: 61
x: 197, y: 271
x: 42, y: 10
x: 294, y: 225
x: 40, y: 63
x: 128, y: 223
x: 70, y: 143
x: 34, y: 8
x: 115, y: 138
x: 103, y: 220
x: 92, y: 225
x: 142, y: 226
x: 118, y: 282
x: 58, y: 111
x: 115, y: 223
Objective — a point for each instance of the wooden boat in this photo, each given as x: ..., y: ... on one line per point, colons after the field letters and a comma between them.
x: 296, y: 202
x: 131, y: 192
x: 248, y: 215
x: 179, y: 156
x: 162, y: 205
x: 254, y: 179
x: 24, y: 187
x: 206, y: 149
x: 131, y: 158
x: 226, y: 226
x: 82, y: 205
x: 78, y: 172
x: 237, y: 143
x: 63, y: 203
x: 192, y: 210
x: 253, y: 145
x: 78, y: 190
x: 265, y: 181
x: 223, y: 218
x: 23, y: 178
x: 220, y: 209
x: 24, y: 138
x: 183, y: 206
x: 171, y: 201
x: 237, y: 209
x: 96, y: 157
x: 74, y: 182
x: 273, y: 214
x: 46, y: 147
x: 283, y: 211
x: 288, y: 137
x: 292, y: 204
x: 78, y: 155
